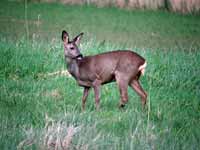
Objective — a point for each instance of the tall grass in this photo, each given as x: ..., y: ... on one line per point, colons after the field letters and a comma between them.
x: 152, y: 29
x: 40, y: 106
x: 41, y: 112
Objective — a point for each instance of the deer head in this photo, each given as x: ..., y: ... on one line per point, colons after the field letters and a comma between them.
x: 71, y: 49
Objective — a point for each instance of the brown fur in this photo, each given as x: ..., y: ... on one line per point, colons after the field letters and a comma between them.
x: 122, y: 66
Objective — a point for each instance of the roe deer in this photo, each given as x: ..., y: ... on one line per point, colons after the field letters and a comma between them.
x: 122, y: 66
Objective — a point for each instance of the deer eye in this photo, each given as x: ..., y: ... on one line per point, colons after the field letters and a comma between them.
x: 72, y: 48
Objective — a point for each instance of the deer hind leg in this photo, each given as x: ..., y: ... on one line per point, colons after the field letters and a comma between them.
x: 135, y: 84
x: 123, y: 86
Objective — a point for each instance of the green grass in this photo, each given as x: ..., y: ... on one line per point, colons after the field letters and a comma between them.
x: 35, y: 107
x: 152, y: 29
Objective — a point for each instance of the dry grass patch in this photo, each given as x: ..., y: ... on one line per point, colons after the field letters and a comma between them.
x: 54, y: 136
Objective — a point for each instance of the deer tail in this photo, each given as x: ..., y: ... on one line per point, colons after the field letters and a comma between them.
x: 142, y: 68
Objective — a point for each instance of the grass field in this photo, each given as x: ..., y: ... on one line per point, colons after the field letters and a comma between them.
x: 43, y: 111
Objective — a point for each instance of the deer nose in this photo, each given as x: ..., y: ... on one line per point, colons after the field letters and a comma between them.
x: 80, y: 56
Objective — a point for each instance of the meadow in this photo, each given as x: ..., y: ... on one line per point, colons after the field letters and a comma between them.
x: 42, y: 110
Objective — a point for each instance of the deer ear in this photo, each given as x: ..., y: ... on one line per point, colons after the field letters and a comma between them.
x: 65, y: 36
x: 78, y: 38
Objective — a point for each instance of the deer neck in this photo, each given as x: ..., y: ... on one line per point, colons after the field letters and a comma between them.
x: 72, y: 66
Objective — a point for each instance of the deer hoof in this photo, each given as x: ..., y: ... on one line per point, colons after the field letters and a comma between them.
x: 121, y: 105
